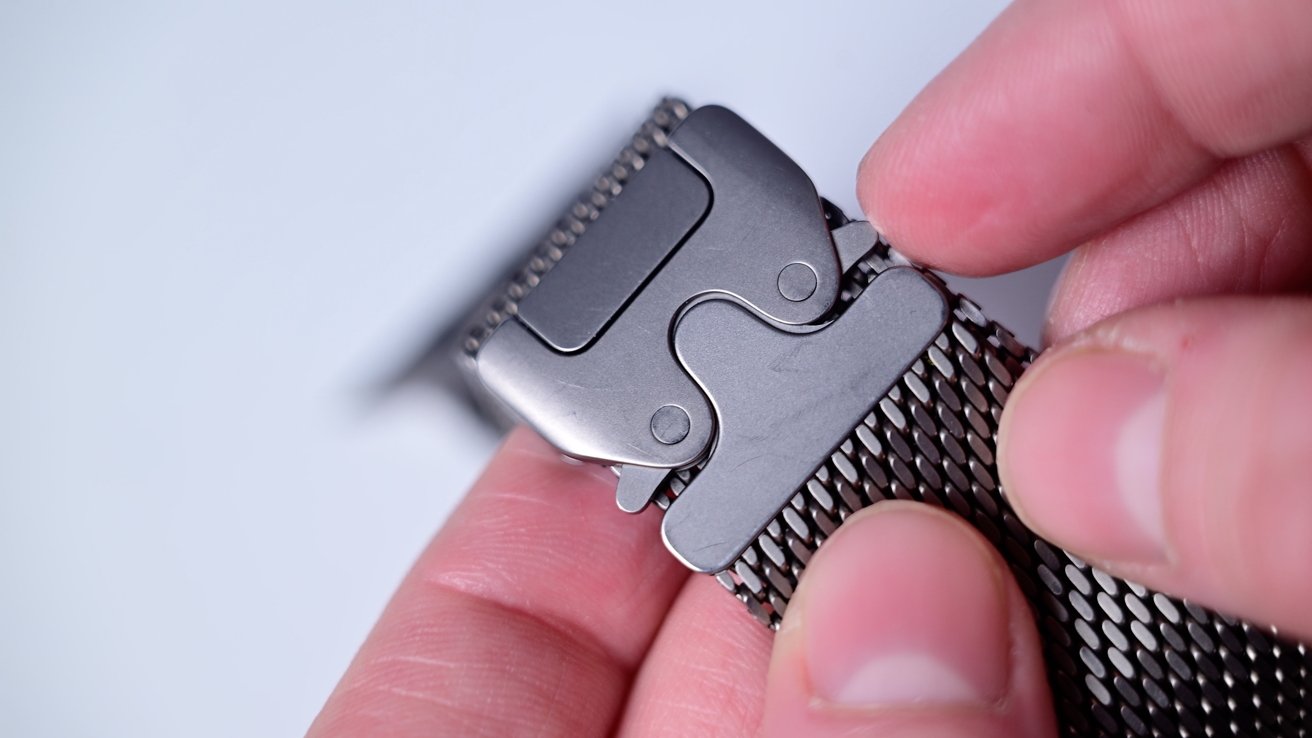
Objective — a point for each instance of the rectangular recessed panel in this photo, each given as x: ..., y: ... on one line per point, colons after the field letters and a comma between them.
x: 617, y: 253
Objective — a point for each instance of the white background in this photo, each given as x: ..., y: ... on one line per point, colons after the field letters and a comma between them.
x: 224, y: 228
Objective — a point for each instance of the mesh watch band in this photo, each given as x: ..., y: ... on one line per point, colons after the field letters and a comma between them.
x: 1122, y: 660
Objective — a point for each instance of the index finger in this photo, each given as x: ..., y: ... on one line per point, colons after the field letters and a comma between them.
x: 1066, y: 117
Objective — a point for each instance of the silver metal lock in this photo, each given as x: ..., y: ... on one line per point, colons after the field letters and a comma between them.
x: 701, y: 308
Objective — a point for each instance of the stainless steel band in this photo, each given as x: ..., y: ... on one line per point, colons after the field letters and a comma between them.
x: 1122, y: 660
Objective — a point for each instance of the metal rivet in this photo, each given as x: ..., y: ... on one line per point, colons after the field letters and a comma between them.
x: 670, y: 424
x: 797, y: 281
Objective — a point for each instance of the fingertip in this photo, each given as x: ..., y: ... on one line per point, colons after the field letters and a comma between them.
x: 1080, y: 449
x: 1168, y: 445
x: 867, y: 193
x: 907, y: 621
x: 931, y: 210
x: 1003, y: 161
x: 962, y: 178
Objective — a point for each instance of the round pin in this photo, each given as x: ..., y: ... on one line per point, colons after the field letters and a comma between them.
x: 670, y: 424
x: 797, y: 281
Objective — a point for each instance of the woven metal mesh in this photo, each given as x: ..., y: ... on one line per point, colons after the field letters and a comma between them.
x: 1122, y: 660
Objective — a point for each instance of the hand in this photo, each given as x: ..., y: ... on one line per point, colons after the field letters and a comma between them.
x: 1169, y: 138
x: 1164, y: 443
x: 542, y: 609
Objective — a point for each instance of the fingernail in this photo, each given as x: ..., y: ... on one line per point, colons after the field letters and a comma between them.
x: 905, y: 607
x: 1080, y: 454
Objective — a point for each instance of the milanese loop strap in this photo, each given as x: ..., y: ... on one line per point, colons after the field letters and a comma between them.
x: 1122, y: 660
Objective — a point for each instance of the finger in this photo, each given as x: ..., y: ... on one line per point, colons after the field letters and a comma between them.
x: 907, y: 624
x: 1064, y: 118
x: 526, y: 615
x: 705, y: 673
x: 1244, y: 230
x: 1169, y: 445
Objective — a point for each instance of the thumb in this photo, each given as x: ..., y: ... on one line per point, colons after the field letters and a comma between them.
x: 1170, y: 446
x: 907, y: 623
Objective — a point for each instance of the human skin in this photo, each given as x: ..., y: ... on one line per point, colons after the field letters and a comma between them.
x: 1162, y: 434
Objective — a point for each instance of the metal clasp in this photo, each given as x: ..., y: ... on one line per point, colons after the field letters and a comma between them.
x: 697, y: 322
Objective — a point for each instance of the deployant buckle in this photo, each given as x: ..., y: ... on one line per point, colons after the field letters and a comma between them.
x: 702, y: 321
